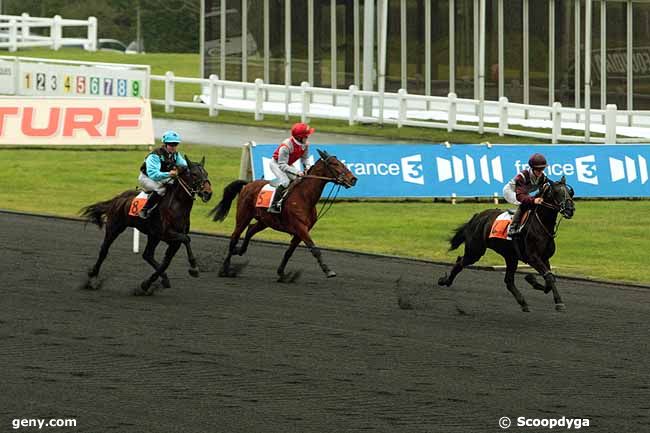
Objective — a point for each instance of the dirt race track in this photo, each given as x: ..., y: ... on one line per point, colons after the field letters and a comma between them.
x: 320, y: 355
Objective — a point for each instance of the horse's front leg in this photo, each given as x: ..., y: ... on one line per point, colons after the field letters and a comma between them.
x: 194, y: 269
x: 543, y: 266
x: 169, y: 255
x: 282, y: 277
x: 149, y: 256
x: 303, y: 233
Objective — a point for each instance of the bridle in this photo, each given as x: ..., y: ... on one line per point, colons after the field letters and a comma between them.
x: 560, y: 207
x: 555, y: 206
x: 339, y: 179
x: 193, y: 189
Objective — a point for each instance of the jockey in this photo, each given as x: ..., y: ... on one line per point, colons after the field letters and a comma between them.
x: 158, y: 169
x: 289, y: 151
x: 518, y: 190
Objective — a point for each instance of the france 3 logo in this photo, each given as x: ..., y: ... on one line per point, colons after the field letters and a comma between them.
x: 623, y: 168
x: 458, y: 169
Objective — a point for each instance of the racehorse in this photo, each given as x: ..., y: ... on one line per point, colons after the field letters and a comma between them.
x: 297, y: 217
x: 170, y: 223
x: 535, y: 244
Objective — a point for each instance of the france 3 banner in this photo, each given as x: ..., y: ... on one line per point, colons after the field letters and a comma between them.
x: 472, y: 170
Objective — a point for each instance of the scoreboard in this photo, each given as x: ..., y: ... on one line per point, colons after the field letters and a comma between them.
x: 44, y: 77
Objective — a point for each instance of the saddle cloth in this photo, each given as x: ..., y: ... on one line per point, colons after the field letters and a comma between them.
x: 138, y: 203
x: 265, y: 196
x: 500, y: 226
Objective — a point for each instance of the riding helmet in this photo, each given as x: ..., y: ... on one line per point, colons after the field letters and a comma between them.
x: 171, y: 137
x: 537, y: 161
x: 301, y: 130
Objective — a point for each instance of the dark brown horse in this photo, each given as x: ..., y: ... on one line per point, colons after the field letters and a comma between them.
x: 298, y: 214
x: 535, y: 244
x: 170, y: 223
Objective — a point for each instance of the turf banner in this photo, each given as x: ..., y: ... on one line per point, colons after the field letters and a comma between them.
x: 473, y: 170
x: 75, y: 121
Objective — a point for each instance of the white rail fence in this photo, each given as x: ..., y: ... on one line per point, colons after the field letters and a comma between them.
x: 15, y: 32
x: 555, y: 123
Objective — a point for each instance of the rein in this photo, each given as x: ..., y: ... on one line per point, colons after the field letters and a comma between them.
x: 190, y: 191
x: 313, y: 176
x: 323, y: 210
x: 555, y: 227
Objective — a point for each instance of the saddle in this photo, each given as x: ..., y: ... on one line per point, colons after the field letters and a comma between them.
x: 138, y: 203
x: 502, y: 222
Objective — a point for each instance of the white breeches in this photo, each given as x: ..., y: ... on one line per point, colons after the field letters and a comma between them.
x: 151, y: 185
x: 281, y: 177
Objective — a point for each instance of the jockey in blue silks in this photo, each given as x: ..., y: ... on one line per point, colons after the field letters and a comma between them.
x: 158, y: 169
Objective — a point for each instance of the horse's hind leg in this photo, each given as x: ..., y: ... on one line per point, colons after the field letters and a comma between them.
x: 225, y: 270
x: 250, y: 232
x: 469, y: 258
x: 511, y: 268
x: 149, y: 256
x: 112, y: 232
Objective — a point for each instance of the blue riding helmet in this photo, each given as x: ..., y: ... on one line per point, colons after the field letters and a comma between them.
x: 171, y: 137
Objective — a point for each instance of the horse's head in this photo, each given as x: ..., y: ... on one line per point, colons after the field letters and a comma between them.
x: 196, y: 179
x: 329, y: 166
x: 559, y: 196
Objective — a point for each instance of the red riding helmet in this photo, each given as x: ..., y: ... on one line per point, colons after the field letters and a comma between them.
x: 301, y: 130
x: 537, y: 161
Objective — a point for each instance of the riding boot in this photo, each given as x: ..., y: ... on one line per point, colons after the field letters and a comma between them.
x: 151, y: 204
x: 515, y: 228
x: 276, y: 206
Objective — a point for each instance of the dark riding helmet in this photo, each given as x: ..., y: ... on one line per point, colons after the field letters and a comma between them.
x: 301, y: 131
x: 537, y: 161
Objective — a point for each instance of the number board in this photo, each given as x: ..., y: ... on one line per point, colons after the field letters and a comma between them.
x: 43, y: 79
x: 6, y: 77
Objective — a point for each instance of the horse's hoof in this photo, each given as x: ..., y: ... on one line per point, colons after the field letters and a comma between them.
x: 442, y: 281
x: 525, y: 309
x: 330, y: 274
x: 166, y: 283
x: 93, y: 283
x: 193, y: 272
x: 146, y: 288
x: 560, y: 307
x: 289, y: 277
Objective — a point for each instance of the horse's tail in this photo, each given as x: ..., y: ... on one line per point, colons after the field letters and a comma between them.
x: 459, y: 234
x: 220, y: 211
x: 95, y: 212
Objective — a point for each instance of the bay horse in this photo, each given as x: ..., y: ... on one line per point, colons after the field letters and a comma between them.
x: 535, y: 244
x: 169, y: 222
x: 297, y: 217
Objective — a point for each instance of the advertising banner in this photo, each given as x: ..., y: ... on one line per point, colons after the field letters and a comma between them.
x: 75, y: 121
x: 473, y: 170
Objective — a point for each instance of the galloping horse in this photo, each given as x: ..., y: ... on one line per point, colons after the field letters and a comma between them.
x: 298, y: 214
x: 170, y: 223
x: 535, y: 244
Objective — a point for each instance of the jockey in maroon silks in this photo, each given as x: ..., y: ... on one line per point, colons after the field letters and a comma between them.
x: 289, y: 151
x: 518, y: 190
